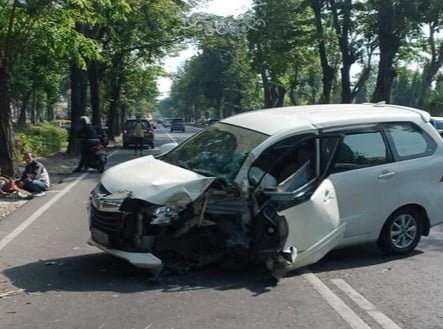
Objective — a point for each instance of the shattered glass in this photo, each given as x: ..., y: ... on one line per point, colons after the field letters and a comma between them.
x: 217, y: 151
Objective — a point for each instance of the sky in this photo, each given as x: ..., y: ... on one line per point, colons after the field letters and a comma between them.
x: 218, y: 7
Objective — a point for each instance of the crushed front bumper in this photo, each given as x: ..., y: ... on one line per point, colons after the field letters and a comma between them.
x: 140, y: 259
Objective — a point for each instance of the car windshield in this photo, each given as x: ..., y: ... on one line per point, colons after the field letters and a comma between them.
x: 218, y: 150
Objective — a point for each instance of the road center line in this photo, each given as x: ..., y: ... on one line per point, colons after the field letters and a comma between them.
x: 335, y: 302
x: 366, y: 305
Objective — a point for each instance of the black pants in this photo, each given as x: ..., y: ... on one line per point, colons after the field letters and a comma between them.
x: 84, y: 146
x: 138, y: 144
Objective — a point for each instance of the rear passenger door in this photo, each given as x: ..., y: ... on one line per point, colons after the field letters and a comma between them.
x: 379, y: 169
x: 365, y: 179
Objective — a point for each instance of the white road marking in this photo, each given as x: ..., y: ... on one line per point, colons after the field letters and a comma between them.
x: 19, y: 229
x: 366, y: 305
x: 335, y: 302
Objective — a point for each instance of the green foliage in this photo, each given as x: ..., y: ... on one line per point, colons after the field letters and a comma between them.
x: 434, y: 103
x: 42, y: 139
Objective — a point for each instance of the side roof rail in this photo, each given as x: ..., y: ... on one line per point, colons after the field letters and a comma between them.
x: 425, y: 116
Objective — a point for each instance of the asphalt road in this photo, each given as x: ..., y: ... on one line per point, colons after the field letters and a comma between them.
x: 55, y: 280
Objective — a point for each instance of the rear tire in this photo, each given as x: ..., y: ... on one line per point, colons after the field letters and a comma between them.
x: 101, y: 165
x: 401, y: 232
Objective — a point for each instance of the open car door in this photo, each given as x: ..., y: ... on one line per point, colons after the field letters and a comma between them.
x: 296, y: 218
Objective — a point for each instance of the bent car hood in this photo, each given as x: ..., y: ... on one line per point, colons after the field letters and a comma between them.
x: 156, y: 181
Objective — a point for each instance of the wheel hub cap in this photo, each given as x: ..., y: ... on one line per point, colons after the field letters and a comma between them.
x: 403, y: 231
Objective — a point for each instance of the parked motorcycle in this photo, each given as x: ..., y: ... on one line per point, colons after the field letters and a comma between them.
x: 97, y: 157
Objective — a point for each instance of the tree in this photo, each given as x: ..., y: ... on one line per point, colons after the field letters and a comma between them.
x: 433, y: 47
x: 49, y: 24
x: 395, y: 20
x: 278, y: 46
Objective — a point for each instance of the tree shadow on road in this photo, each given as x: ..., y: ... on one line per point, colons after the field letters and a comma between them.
x: 101, y: 272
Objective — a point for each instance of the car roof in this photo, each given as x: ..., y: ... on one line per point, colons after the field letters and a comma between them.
x: 276, y: 120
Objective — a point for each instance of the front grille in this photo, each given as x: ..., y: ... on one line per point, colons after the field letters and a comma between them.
x: 109, y: 222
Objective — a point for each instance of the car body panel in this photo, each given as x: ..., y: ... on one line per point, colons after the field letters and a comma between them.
x: 140, y: 177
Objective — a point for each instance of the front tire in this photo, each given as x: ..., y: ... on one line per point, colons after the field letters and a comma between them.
x: 401, y: 232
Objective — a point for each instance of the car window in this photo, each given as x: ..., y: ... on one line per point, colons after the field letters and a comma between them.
x: 437, y: 123
x: 357, y: 150
x: 282, y: 159
x: 130, y: 124
x: 218, y: 150
x: 409, y: 141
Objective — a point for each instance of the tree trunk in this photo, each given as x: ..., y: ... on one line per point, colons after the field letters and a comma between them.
x: 389, y: 43
x: 328, y: 71
x: 113, y: 115
x: 34, y: 107
x: 430, y: 69
x: 94, y: 92
x: 385, y: 73
x: 24, y: 108
x: 347, y: 57
x: 8, y: 163
x: 78, y: 106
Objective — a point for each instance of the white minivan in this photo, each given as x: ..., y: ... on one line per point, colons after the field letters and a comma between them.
x: 280, y: 186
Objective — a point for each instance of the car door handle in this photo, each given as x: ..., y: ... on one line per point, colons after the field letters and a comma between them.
x: 386, y: 175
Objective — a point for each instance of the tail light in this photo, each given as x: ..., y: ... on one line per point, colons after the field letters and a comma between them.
x: 99, y: 147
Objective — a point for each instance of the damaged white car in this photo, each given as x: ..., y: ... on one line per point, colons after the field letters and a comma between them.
x: 281, y: 186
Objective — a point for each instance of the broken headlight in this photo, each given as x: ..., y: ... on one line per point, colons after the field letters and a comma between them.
x: 103, y: 201
x: 165, y: 215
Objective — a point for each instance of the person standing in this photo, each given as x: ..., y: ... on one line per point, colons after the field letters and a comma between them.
x: 138, y: 135
x: 35, y: 177
x: 86, y: 133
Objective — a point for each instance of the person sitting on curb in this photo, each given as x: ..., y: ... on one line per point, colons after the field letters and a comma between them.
x: 35, y: 177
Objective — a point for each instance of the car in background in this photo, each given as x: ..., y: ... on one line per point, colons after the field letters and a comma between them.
x: 62, y: 123
x: 177, y: 125
x: 211, y: 121
x: 437, y: 122
x: 166, y: 122
x: 128, y: 133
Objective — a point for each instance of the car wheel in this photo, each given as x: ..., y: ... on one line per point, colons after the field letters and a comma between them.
x: 401, y: 232
x: 101, y: 167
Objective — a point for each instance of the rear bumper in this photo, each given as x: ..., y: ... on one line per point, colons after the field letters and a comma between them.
x: 131, y: 140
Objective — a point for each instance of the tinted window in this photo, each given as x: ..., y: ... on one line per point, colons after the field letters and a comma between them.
x: 438, y: 124
x: 409, y: 141
x: 129, y: 124
x: 359, y: 150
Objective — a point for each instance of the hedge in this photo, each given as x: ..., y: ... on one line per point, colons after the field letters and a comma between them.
x: 42, y: 140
